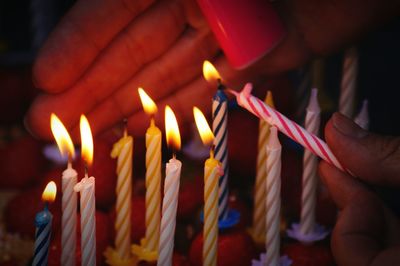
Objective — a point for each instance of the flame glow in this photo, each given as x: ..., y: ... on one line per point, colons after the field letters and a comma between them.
x: 86, y: 140
x: 60, y: 133
x: 148, y: 104
x: 206, y: 135
x: 49, y: 193
x: 210, y: 73
x: 172, y: 129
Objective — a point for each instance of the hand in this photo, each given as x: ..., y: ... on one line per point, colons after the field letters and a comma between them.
x: 102, y: 51
x: 367, y: 232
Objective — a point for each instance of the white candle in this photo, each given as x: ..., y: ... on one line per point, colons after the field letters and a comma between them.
x: 273, y: 199
x: 169, y: 208
x: 348, y: 84
x: 310, y: 164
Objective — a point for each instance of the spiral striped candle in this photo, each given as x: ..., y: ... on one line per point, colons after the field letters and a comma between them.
x: 69, y: 215
x: 273, y: 199
x: 43, y: 221
x: 210, y: 230
x: 362, y: 118
x: 88, y: 220
x: 310, y: 164
x: 219, y: 126
x: 285, y: 125
x: 122, y: 150
x: 153, y: 186
x: 261, y: 175
x: 169, y: 208
x: 348, y: 84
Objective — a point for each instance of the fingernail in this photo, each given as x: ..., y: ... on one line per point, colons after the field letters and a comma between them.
x: 246, y: 30
x: 347, y: 127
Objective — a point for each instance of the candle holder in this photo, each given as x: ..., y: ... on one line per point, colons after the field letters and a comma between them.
x: 143, y: 253
x: 283, y: 260
x: 319, y: 233
x: 114, y: 259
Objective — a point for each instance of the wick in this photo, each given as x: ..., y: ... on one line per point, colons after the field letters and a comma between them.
x: 152, y: 122
x: 174, y: 156
x: 220, y: 86
x: 46, y: 206
x: 125, y: 121
x: 212, y: 151
x: 86, y: 169
x: 69, y: 161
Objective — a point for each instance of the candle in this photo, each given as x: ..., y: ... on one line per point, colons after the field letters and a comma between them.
x: 153, y: 175
x: 258, y: 232
x: 212, y: 172
x: 43, y: 221
x: 362, y: 118
x: 171, y: 191
x: 219, y: 125
x: 122, y: 150
x: 285, y: 125
x: 86, y: 187
x: 348, y: 84
x: 310, y: 164
x: 273, y: 199
x: 69, y: 197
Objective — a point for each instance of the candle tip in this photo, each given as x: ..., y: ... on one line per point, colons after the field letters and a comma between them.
x: 269, y: 99
x: 313, y: 105
x: 273, y: 140
x: 362, y: 118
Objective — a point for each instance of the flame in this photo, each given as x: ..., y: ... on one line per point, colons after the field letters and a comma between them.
x: 172, y: 129
x: 148, y: 104
x: 210, y: 73
x: 61, y: 136
x: 87, y: 140
x: 49, y: 193
x: 205, y: 132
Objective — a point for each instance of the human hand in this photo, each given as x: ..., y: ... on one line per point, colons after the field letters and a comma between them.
x: 367, y: 232
x: 102, y: 51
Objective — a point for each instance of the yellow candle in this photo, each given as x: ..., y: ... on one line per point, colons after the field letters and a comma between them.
x: 153, y: 186
x: 259, y: 211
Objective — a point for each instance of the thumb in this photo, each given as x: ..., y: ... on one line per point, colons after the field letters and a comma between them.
x: 371, y: 157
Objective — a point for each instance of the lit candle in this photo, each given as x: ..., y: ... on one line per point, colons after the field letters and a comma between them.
x: 286, y: 126
x: 273, y: 199
x: 310, y: 165
x: 362, y: 118
x: 219, y: 125
x: 349, y: 82
x: 258, y: 230
x: 122, y: 150
x: 86, y: 187
x: 153, y: 175
x: 171, y: 191
x: 212, y: 172
x: 43, y: 221
x: 69, y: 196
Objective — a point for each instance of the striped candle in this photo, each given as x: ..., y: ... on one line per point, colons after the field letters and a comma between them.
x: 153, y: 186
x: 122, y: 150
x: 286, y: 126
x: 362, y: 118
x: 210, y: 230
x: 169, y: 208
x: 310, y: 164
x: 69, y: 216
x: 219, y: 126
x: 348, y: 84
x: 88, y: 220
x: 273, y: 199
x: 261, y: 175
x: 42, y: 237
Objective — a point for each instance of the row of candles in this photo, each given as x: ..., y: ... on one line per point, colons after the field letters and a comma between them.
x: 160, y: 226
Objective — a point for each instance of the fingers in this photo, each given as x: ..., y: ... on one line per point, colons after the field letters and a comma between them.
x: 373, y: 158
x: 80, y: 36
x: 360, y: 230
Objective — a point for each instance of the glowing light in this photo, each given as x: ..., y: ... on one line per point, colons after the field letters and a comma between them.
x: 204, y: 129
x: 172, y: 129
x: 49, y: 193
x: 87, y: 140
x: 210, y: 73
x: 148, y: 104
x: 63, y: 140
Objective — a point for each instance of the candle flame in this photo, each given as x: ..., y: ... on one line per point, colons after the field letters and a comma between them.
x: 210, y: 73
x: 172, y: 129
x: 148, y: 104
x: 206, y: 135
x: 86, y: 140
x: 60, y: 133
x: 49, y: 193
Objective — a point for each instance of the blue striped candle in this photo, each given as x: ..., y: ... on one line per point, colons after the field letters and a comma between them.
x: 219, y: 125
x: 42, y: 237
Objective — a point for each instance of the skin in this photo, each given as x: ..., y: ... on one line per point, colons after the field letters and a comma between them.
x: 102, y: 51
x: 367, y: 232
